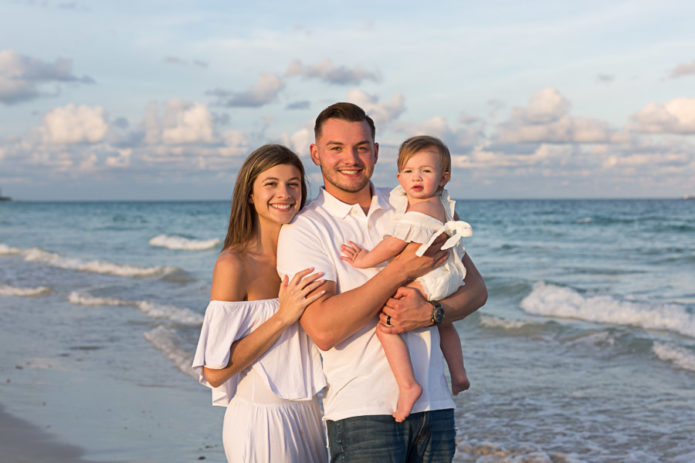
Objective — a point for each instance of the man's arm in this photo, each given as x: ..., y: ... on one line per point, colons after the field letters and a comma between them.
x: 334, y: 317
x: 409, y: 310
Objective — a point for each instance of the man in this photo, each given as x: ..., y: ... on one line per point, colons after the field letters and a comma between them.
x: 362, y: 391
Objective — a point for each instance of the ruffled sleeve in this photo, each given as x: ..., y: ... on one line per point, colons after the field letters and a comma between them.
x: 398, y: 199
x: 449, y: 204
x: 414, y: 227
x: 291, y: 367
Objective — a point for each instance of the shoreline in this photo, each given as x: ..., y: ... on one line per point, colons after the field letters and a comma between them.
x: 89, y: 393
x: 23, y: 442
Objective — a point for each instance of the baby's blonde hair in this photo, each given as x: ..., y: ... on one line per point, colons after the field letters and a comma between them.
x: 418, y: 143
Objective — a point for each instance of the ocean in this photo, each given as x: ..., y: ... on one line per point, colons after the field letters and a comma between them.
x: 584, y: 352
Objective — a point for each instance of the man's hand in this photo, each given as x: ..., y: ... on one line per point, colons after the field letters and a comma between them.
x: 415, y: 266
x: 408, y: 311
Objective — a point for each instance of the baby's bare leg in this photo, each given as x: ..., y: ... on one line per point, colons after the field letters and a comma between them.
x: 451, y: 348
x: 399, y: 359
x: 450, y: 343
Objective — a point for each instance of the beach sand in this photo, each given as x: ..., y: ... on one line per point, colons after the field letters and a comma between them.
x: 72, y: 389
x: 22, y: 442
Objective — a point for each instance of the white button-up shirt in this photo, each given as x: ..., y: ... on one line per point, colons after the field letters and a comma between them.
x: 360, y: 381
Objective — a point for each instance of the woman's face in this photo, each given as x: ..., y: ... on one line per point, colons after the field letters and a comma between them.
x: 277, y: 194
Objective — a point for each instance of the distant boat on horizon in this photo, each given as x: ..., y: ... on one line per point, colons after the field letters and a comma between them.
x: 689, y: 197
x: 4, y: 198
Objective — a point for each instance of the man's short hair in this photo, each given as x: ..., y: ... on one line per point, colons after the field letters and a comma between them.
x: 345, y: 111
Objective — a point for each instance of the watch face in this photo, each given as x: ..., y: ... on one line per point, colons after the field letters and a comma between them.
x: 437, y: 313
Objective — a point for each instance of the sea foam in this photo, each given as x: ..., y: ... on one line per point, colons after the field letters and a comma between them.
x: 491, y: 321
x: 678, y: 355
x: 92, y: 266
x: 166, y: 341
x: 6, y: 250
x: 180, y: 315
x: 180, y: 243
x: 555, y: 301
x: 86, y: 299
x: 6, y: 290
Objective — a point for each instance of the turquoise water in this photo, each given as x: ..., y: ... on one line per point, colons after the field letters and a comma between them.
x: 585, y: 350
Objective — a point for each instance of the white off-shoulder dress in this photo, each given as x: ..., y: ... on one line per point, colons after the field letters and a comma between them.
x: 272, y: 410
x: 421, y: 228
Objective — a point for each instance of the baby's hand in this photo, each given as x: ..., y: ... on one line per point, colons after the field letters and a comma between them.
x: 353, y: 254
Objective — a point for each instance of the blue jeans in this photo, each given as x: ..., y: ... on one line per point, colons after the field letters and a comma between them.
x: 428, y: 437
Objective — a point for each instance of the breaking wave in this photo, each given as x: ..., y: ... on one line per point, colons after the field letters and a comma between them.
x: 555, y: 301
x: 180, y: 315
x: 679, y: 356
x: 92, y: 266
x: 6, y: 290
x: 180, y: 243
x: 167, y: 342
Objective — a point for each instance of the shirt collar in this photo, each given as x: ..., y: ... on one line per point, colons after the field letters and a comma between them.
x: 340, y: 209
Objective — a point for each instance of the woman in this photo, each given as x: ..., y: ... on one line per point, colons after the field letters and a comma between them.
x: 252, y: 352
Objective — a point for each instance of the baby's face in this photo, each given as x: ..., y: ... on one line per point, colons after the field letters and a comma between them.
x: 422, y: 176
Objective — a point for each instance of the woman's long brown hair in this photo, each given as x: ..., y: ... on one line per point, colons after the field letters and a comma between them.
x: 243, y: 219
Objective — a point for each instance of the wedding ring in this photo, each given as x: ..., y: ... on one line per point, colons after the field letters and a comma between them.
x: 388, y: 320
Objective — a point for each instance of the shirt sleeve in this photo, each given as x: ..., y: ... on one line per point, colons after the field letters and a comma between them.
x: 302, y: 244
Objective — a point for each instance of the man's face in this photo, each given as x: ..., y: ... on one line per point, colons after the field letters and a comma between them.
x: 346, y: 154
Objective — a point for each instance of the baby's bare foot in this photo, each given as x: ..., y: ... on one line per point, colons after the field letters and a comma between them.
x: 407, y: 397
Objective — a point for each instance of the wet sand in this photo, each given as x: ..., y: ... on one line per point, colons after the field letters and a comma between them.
x: 22, y: 442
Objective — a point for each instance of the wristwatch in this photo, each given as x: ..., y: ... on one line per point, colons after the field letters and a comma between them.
x: 437, y: 312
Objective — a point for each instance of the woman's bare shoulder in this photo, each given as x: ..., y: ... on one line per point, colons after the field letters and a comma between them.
x: 228, y: 277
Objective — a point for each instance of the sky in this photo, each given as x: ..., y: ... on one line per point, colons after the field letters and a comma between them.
x: 163, y: 100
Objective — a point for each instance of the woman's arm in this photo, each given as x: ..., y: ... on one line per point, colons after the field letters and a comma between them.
x: 228, y: 285
x: 358, y: 257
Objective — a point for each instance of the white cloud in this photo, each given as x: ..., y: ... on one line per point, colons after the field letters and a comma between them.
x: 236, y: 143
x: 382, y: 113
x: 545, y: 106
x: 74, y: 124
x: 457, y: 138
x: 299, y: 141
x: 327, y: 72
x: 122, y: 159
x: 546, y: 119
x: 677, y: 117
x: 89, y: 163
x: 683, y: 70
x: 180, y: 122
x: 21, y: 76
x: 262, y: 93
x: 645, y: 160
x: 482, y: 158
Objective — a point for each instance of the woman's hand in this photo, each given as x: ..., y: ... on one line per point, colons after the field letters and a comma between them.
x: 293, y: 294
